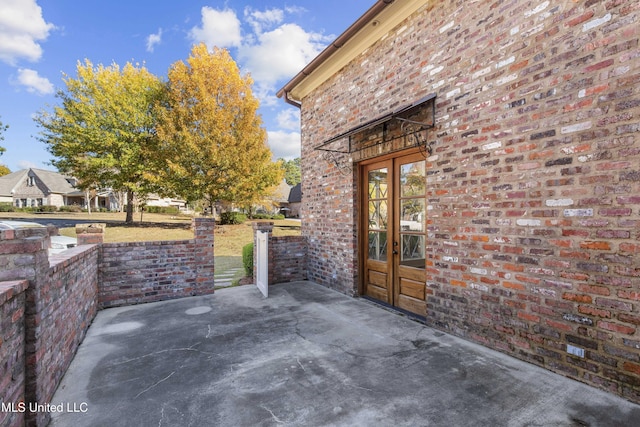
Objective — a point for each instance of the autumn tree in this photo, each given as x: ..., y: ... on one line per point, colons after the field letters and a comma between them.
x: 212, y: 143
x: 103, y: 131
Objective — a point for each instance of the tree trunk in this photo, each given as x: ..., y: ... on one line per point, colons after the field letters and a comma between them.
x: 129, y: 219
x: 87, y: 196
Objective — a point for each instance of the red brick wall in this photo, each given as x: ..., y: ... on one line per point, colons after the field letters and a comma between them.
x: 287, y: 255
x: 60, y: 303
x: 533, y: 183
x: 12, y: 346
x: 68, y: 304
x: 46, y: 313
x: 139, y: 272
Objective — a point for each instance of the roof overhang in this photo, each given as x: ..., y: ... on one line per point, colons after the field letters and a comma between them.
x: 378, y: 21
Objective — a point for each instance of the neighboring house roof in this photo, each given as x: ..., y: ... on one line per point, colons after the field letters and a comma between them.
x: 9, y: 182
x: 381, y: 18
x: 53, y: 181
x: 281, y: 193
x: 295, y: 195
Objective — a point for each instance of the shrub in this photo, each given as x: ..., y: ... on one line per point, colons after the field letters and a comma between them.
x: 7, y: 207
x: 232, y: 218
x: 47, y: 208
x: 72, y: 208
x: 171, y: 210
x: 267, y: 216
x: 247, y: 259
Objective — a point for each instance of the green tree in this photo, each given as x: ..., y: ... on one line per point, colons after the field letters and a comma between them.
x: 212, y: 143
x: 291, y: 170
x: 103, y: 131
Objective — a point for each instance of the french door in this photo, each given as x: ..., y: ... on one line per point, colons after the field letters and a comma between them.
x: 393, y: 226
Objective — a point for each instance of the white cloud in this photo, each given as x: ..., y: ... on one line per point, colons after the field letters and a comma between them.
x: 289, y: 119
x: 259, y: 20
x: 21, y: 28
x: 284, y: 145
x: 270, y: 56
x: 280, y: 53
x: 26, y: 164
x: 153, y: 40
x: 34, y: 83
x: 220, y: 28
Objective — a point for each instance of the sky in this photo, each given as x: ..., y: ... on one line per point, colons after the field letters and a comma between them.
x: 40, y: 40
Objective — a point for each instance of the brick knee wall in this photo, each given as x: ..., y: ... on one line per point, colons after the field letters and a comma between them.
x: 59, y: 304
x: 287, y: 256
x: 532, y: 185
x: 141, y: 272
x: 12, y: 352
x: 287, y: 259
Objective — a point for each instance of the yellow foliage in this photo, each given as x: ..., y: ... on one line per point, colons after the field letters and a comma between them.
x: 210, y: 133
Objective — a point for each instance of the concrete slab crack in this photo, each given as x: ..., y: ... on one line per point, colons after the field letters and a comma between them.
x: 190, y: 348
x: 276, y: 419
x: 154, y: 385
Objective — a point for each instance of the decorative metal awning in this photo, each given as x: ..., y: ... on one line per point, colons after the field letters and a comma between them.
x: 403, y: 128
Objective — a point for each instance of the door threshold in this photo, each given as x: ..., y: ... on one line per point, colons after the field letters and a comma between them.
x: 397, y: 310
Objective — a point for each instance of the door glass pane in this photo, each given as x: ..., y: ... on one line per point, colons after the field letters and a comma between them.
x: 378, y: 184
x: 412, y: 250
x: 412, y: 215
x: 413, y: 180
x: 378, y: 245
x: 378, y: 215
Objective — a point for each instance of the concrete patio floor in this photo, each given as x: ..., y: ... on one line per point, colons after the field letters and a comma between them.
x: 307, y: 356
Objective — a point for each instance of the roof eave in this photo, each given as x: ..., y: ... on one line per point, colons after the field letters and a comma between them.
x: 378, y: 21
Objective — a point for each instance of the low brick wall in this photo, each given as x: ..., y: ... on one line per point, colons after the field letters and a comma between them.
x: 59, y: 304
x: 287, y: 255
x: 141, y: 272
x: 67, y: 303
x: 47, y: 303
x: 12, y: 348
x: 287, y: 259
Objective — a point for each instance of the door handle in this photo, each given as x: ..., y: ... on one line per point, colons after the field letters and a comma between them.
x: 394, y: 252
x: 395, y: 245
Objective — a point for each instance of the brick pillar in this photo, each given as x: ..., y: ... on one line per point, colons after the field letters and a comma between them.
x: 265, y: 226
x: 12, y: 350
x: 90, y: 234
x: 203, y: 229
x: 23, y: 256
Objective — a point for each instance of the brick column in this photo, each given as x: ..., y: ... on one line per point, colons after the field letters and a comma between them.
x: 90, y: 234
x: 203, y: 229
x: 266, y: 226
x: 23, y: 255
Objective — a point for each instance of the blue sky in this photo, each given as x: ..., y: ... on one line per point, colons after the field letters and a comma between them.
x: 271, y: 39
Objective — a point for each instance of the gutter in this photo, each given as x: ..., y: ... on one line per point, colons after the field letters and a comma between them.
x: 328, y: 52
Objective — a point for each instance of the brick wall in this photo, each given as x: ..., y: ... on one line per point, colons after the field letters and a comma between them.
x: 533, y: 183
x: 66, y: 302
x: 287, y: 255
x: 59, y: 305
x: 12, y: 346
x: 134, y: 273
x: 48, y: 303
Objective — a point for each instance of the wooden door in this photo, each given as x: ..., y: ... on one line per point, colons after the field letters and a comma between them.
x: 394, y: 232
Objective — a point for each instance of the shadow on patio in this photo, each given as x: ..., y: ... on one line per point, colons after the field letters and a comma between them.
x: 306, y: 356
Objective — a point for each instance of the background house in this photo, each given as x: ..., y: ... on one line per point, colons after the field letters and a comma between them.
x: 477, y: 165
x: 36, y: 187
x: 295, y: 201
